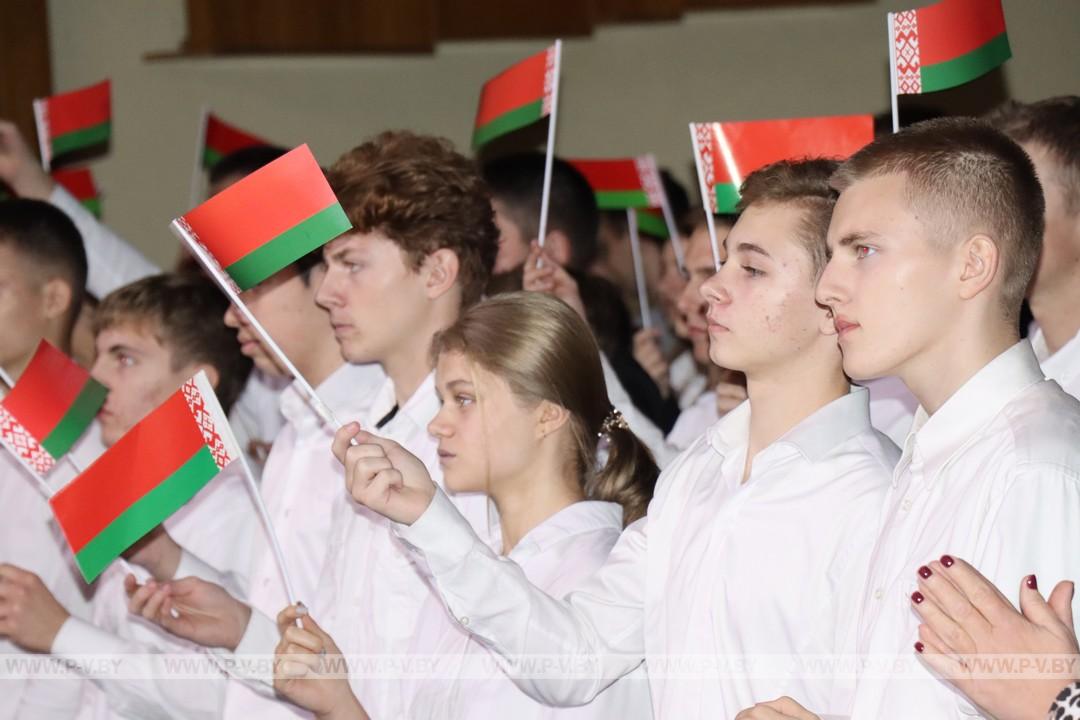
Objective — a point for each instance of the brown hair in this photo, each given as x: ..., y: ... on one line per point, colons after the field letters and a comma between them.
x: 544, y: 351
x: 964, y: 177
x: 1053, y: 123
x: 805, y: 184
x: 185, y: 313
x: 424, y: 196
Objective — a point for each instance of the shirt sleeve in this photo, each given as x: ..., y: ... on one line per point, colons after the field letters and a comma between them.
x: 597, y: 629
x: 111, y: 261
x: 253, y: 660
x: 641, y: 426
x: 139, y: 680
x: 192, y: 566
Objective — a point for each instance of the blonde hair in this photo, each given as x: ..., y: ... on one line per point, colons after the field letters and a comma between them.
x: 544, y: 351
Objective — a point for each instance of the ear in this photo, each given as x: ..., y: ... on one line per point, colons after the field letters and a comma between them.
x: 440, y: 272
x: 56, y: 298
x: 980, y: 261
x: 559, y: 247
x: 211, y: 373
x: 550, y: 417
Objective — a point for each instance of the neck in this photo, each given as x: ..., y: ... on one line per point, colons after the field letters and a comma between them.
x: 1055, y: 312
x: 784, y: 397
x: 410, y: 362
x: 60, y: 340
x: 936, y: 375
x: 530, y: 501
x: 321, y: 361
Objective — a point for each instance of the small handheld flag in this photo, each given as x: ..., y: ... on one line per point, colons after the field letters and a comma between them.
x: 520, y: 95
x: 80, y: 183
x: 726, y: 152
x: 73, y: 121
x: 943, y: 45
x: 258, y: 226
x: 221, y: 139
x: 48, y: 409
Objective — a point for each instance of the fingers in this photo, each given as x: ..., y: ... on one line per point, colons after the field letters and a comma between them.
x: 961, y: 608
x: 954, y: 636
x: 789, y: 708
x: 343, y: 440
x: 303, y: 640
x: 289, y: 615
x: 935, y: 654
x: 1060, y: 602
x: 980, y: 592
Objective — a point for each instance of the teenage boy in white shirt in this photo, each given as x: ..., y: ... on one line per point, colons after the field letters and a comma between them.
x: 782, y: 493
x: 934, y: 240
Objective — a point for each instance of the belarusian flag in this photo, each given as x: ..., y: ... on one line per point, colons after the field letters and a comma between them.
x: 948, y: 44
x: 49, y: 408
x: 80, y: 183
x: 726, y: 152
x: 74, y: 120
x: 269, y: 219
x: 622, y: 183
x: 650, y: 220
x: 516, y: 97
x: 221, y: 138
x: 149, y: 474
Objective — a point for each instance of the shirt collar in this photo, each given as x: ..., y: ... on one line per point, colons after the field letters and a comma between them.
x: 576, y: 518
x: 934, y: 439
x: 419, y: 409
x: 347, y: 392
x: 814, y: 437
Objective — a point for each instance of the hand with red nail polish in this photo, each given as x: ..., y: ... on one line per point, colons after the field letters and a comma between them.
x: 966, y: 617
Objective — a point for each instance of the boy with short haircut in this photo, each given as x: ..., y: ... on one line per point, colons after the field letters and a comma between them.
x: 934, y: 240
x: 782, y: 492
x: 151, y: 336
x: 42, y: 279
x: 1049, y: 132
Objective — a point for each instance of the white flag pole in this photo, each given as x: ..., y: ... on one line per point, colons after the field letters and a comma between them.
x: 196, y: 172
x: 669, y: 216
x: 264, y: 515
x: 707, y: 199
x: 639, y: 270
x: 226, y: 284
x: 42, y: 125
x: 549, y: 157
x: 893, y: 79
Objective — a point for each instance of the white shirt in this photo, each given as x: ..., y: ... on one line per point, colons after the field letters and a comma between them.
x: 31, y: 540
x: 892, y: 407
x: 718, y: 570
x: 557, y: 556
x: 641, y: 426
x: 256, y: 417
x: 111, y: 261
x: 686, y: 379
x: 302, y: 486
x: 220, y: 526
x: 693, y: 421
x: 1064, y: 365
x: 992, y: 477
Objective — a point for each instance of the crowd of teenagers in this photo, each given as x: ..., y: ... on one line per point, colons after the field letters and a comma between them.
x: 821, y: 484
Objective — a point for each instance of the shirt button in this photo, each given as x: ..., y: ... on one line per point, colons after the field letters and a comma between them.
x: 906, y: 505
x: 878, y: 594
x: 464, y: 621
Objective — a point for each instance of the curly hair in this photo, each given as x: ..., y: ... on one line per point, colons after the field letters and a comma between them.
x: 424, y: 196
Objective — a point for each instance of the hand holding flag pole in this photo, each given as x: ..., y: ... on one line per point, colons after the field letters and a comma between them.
x: 639, y: 270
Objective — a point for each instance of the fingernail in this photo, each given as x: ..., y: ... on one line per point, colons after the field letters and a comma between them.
x: 919, y: 647
x: 924, y: 572
x: 947, y: 560
x: 301, y: 608
x: 917, y: 597
x: 1031, y: 582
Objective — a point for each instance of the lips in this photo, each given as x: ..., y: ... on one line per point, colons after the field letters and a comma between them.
x: 844, y: 325
x: 445, y: 456
x: 716, y: 327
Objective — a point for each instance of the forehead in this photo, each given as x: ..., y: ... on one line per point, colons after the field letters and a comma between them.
x: 133, y: 334
x: 869, y: 206
x: 369, y: 243
x: 773, y: 227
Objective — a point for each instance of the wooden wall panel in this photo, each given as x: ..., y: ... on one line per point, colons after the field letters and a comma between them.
x: 24, y: 61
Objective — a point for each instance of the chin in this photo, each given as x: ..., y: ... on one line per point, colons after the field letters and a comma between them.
x: 859, y: 367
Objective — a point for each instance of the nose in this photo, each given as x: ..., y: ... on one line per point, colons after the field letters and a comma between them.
x: 440, y: 426
x: 97, y: 370
x: 831, y: 286
x: 234, y: 318
x: 328, y: 295
x: 713, y: 290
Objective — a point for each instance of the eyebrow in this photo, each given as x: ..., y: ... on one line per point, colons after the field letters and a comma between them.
x: 122, y: 349
x: 751, y: 247
x: 854, y: 237
x: 453, y: 384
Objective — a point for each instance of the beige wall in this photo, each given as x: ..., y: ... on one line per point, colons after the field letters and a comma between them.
x: 627, y: 89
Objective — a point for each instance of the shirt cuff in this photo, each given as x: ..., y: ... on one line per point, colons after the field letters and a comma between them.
x: 253, y: 659
x: 78, y: 637
x: 441, y: 534
x: 192, y: 566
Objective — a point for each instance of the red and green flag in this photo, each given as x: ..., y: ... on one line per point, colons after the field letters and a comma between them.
x: 947, y: 44
x: 269, y: 219
x: 150, y: 473
x: 623, y: 183
x: 650, y: 220
x: 518, y: 96
x: 80, y: 183
x: 220, y: 139
x: 73, y: 120
x: 50, y: 407
x: 726, y: 152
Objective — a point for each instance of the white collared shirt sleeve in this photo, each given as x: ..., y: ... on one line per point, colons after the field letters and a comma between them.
x: 602, y: 623
x: 111, y: 261
x: 252, y: 661
x: 146, y: 698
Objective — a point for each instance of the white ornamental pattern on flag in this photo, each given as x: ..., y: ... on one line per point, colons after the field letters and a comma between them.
x: 23, y: 444
x: 197, y: 404
x: 908, y: 64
